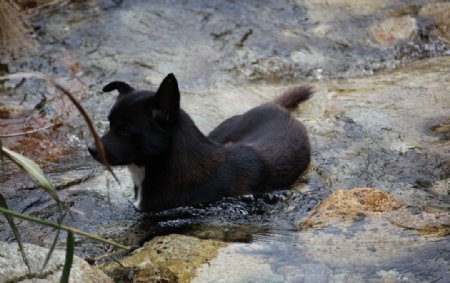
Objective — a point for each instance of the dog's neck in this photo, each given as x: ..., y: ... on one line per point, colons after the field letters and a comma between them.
x: 191, y: 159
x: 192, y: 154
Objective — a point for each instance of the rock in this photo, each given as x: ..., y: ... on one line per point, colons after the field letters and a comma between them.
x: 345, y: 205
x: 308, y: 57
x: 440, y: 13
x: 350, y: 235
x: 393, y: 30
x: 15, y: 39
x: 231, y: 233
x: 354, y: 204
x: 172, y: 258
x: 12, y: 268
x: 238, y: 263
x: 326, y: 10
x: 366, y: 227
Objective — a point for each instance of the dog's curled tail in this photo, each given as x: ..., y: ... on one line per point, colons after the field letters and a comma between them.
x: 291, y: 98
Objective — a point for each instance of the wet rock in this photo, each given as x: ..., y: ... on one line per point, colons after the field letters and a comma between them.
x: 440, y: 13
x: 370, y: 229
x: 385, y: 250
x: 259, y: 262
x: 357, y: 204
x: 369, y: 129
x: 393, y: 30
x: 173, y: 258
x: 309, y: 57
x: 231, y: 233
x: 12, y: 268
x: 31, y: 125
x: 365, y: 131
x: 326, y: 10
x: 440, y: 128
x: 349, y: 204
x: 15, y: 39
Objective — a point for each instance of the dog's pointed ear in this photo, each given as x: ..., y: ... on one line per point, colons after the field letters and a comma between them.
x: 122, y: 87
x: 168, y: 100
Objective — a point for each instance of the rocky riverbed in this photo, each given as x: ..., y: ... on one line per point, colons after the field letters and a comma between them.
x: 379, y: 119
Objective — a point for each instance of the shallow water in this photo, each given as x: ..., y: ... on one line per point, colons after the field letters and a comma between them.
x: 330, y: 255
x: 379, y: 118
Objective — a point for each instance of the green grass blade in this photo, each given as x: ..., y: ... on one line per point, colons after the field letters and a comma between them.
x: 53, y: 246
x: 35, y: 172
x: 2, y: 164
x: 16, y: 232
x: 69, y: 258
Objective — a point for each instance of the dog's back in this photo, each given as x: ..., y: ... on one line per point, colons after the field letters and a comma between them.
x: 280, y: 140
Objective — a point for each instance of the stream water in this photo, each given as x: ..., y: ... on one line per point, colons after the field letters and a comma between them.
x: 379, y: 118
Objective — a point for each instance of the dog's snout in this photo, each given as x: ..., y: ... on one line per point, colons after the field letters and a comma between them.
x: 93, y: 150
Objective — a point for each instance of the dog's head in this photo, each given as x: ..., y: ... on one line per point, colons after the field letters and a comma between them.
x: 140, y: 123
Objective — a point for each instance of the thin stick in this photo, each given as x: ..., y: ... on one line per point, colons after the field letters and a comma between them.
x: 118, y: 253
x: 30, y: 131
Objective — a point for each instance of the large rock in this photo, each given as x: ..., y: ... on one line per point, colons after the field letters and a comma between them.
x: 12, y: 268
x: 393, y: 30
x: 366, y: 227
x: 440, y: 13
x: 172, y: 258
x: 354, y: 204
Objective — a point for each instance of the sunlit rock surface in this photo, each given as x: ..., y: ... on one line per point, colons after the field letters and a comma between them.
x: 356, y: 204
x: 172, y: 258
x: 12, y: 268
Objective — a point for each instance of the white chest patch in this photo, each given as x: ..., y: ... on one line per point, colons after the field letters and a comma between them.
x: 137, y: 175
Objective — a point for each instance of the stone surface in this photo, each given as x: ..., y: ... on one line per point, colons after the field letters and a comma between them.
x: 393, y: 30
x: 319, y: 10
x: 358, y: 203
x: 349, y: 233
x: 440, y: 13
x: 374, y: 244
x: 365, y: 228
x: 172, y: 258
x: 345, y: 205
x: 237, y: 263
x: 15, y: 39
x: 12, y: 268
x: 365, y: 131
x: 378, y: 118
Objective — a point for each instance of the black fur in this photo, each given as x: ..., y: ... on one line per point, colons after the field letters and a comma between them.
x: 262, y: 149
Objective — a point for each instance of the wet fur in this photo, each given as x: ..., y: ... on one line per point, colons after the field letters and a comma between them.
x: 173, y: 164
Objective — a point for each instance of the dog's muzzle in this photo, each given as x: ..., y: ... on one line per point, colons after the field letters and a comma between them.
x: 93, y: 150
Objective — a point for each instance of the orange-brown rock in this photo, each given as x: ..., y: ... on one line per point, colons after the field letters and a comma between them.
x: 348, y: 205
x: 172, y: 258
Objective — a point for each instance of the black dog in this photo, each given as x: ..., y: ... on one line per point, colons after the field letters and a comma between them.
x: 173, y: 164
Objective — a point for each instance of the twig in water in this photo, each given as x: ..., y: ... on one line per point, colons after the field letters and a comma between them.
x: 244, y: 38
